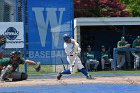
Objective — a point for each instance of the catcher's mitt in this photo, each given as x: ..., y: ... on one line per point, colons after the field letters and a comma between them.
x: 2, y: 39
x: 37, y: 67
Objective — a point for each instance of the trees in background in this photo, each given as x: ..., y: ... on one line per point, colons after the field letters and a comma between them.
x: 133, y: 6
x: 99, y: 8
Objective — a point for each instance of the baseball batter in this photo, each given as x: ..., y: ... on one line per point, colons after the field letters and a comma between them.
x: 72, y: 50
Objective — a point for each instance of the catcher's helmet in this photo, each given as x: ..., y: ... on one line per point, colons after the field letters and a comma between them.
x: 66, y: 37
x: 15, y: 54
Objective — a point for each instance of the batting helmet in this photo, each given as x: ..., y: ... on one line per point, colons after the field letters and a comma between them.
x: 66, y: 37
x: 15, y: 54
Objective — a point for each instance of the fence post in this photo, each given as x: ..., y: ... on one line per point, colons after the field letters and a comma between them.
x: 23, y: 17
x: 114, y: 58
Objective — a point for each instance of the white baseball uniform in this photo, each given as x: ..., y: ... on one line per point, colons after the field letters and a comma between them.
x: 71, y: 50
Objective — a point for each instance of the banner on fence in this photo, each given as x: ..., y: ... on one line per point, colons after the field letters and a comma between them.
x: 48, y: 21
x: 14, y: 33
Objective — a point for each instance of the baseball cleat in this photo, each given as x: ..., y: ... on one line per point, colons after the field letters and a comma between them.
x: 59, y: 76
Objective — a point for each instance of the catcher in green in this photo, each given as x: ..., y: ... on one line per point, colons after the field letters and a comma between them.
x: 9, y: 66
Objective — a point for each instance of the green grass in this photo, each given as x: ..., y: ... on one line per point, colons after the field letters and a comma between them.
x: 47, y: 69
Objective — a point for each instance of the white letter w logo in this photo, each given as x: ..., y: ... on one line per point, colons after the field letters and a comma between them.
x: 43, y: 25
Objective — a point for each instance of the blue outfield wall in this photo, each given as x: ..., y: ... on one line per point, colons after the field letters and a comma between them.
x: 48, y: 20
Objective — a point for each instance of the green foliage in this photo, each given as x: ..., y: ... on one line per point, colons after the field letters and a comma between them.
x: 99, y: 8
x: 133, y: 6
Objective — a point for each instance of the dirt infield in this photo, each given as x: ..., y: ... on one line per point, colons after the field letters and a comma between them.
x: 106, y: 80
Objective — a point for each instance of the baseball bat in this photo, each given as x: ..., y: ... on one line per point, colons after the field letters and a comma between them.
x: 63, y: 63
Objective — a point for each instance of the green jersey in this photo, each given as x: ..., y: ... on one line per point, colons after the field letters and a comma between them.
x: 120, y: 43
x: 135, y: 43
x: 4, y: 61
x: 7, y: 61
x: 89, y: 55
x: 105, y: 54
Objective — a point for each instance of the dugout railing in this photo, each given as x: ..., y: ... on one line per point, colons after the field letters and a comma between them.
x: 122, y: 49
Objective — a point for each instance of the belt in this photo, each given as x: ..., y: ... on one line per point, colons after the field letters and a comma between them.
x: 69, y: 55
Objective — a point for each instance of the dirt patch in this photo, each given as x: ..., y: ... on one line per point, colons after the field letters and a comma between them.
x: 106, y: 80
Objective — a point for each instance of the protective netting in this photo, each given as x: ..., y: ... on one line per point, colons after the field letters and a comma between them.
x: 17, y: 11
x: 11, y: 10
